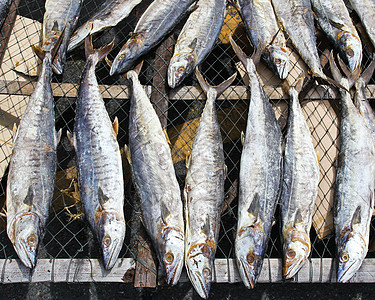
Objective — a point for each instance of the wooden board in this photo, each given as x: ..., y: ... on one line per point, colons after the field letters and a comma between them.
x: 91, y: 270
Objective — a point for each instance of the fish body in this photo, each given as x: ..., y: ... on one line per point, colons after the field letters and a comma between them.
x: 99, y: 164
x: 60, y: 17
x: 365, y: 9
x: 334, y: 19
x: 297, y: 20
x: 159, y: 18
x: 32, y: 168
x: 264, y: 32
x: 110, y: 13
x: 204, y: 193
x: 196, y: 39
x: 155, y: 179
x: 4, y: 9
x: 259, y: 183
x: 299, y: 189
x: 355, y: 183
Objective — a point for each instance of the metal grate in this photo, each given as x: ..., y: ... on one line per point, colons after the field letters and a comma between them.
x: 68, y: 234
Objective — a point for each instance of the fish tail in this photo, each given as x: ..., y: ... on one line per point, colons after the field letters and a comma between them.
x: 242, y: 56
x: 219, y: 89
x: 96, y: 54
x: 297, y: 86
x: 367, y: 74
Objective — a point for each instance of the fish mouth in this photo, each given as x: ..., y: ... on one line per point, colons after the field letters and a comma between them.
x: 110, y: 260
x: 247, y: 274
x: 173, y: 274
x: 291, y: 268
x: 25, y: 257
x: 283, y: 70
x: 344, y: 275
x: 202, y: 289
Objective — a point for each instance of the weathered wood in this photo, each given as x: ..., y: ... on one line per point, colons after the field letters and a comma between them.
x: 6, y: 30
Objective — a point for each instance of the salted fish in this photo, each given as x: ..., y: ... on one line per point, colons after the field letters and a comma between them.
x: 196, y: 39
x: 109, y: 14
x: 159, y: 18
x: 99, y: 164
x: 299, y: 188
x: 204, y: 192
x: 334, y: 19
x: 155, y: 180
x: 264, y: 32
x: 355, y: 183
x: 60, y: 17
x: 365, y: 9
x: 260, y: 175
x: 31, y: 178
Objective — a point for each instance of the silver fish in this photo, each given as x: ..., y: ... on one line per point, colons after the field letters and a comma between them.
x: 334, y: 19
x: 297, y: 20
x: 365, y: 9
x: 59, y: 18
x: 355, y: 183
x: 159, y: 18
x: 204, y: 192
x: 156, y: 182
x: 99, y: 164
x: 32, y: 168
x: 299, y: 188
x: 196, y: 39
x: 264, y: 32
x: 109, y: 14
x: 260, y: 176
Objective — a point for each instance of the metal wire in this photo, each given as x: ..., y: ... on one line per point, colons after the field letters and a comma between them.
x: 67, y: 233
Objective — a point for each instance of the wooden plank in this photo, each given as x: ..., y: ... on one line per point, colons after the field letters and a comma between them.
x: 7, y: 28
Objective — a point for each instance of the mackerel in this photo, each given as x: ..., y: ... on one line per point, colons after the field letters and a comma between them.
x: 109, y: 14
x: 159, y: 18
x: 31, y: 178
x: 100, y: 176
x: 204, y: 192
x: 334, y: 19
x: 264, y: 32
x: 299, y: 188
x: 260, y: 176
x: 355, y: 183
x: 155, y: 180
x: 60, y: 18
x: 365, y: 9
x: 196, y: 39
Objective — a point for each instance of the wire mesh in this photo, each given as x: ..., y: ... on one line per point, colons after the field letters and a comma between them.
x: 67, y: 233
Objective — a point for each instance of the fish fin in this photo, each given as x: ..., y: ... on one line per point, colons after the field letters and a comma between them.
x: 220, y: 88
x: 109, y: 63
x: 206, y: 226
x: 29, y: 197
x: 367, y: 74
x: 298, y: 218
x: 38, y: 51
x: 102, y: 198
x: 275, y: 35
x: 318, y: 156
x: 127, y: 154
x: 338, y: 25
x: 193, y: 44
x: 283, y: 146
x: 314, y: 15
x: 192, y: 8
x: 352, y: 76
x: 58, y: 136
x: 334, y: 69
x: 137, y: 69
x: 299, y: 84
x: 42, y: 53
x: 240, y: 54
x: 71, y: 139
x: 285, y: 87
x: 257, y: 54
x: 165, y: 213
x: 225, y: 171
x: 15, y: 132
x: 242, y: 138
x: 99, y: 53
x: 187, y: 160
x: 166, y: 136
x: 356, y: 219
x: 254, y: 208
x: 115, y: 126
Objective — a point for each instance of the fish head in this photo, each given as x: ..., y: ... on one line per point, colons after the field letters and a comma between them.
x: 352, y: 249
x: 250, y: 247
x: 180, y: 66
x: 27, y: 233
x: 111, y: 233
x: 199, y: 265
x: 297, y: 248
x: 128, y: 54
x: 350, y: 48
x: 172, y: 253
x: 278, y: 58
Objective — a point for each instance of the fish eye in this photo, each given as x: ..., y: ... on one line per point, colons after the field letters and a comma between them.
x: 344, y: 258
x: 169, y: 257
x: 180, y: 69
x: 277, y: 61
x: 250, y: 258
x: 206, y: 272
x: 291, y: 254
x: 31, y: 240
x: 107, y: 240
x: 350, y: 52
